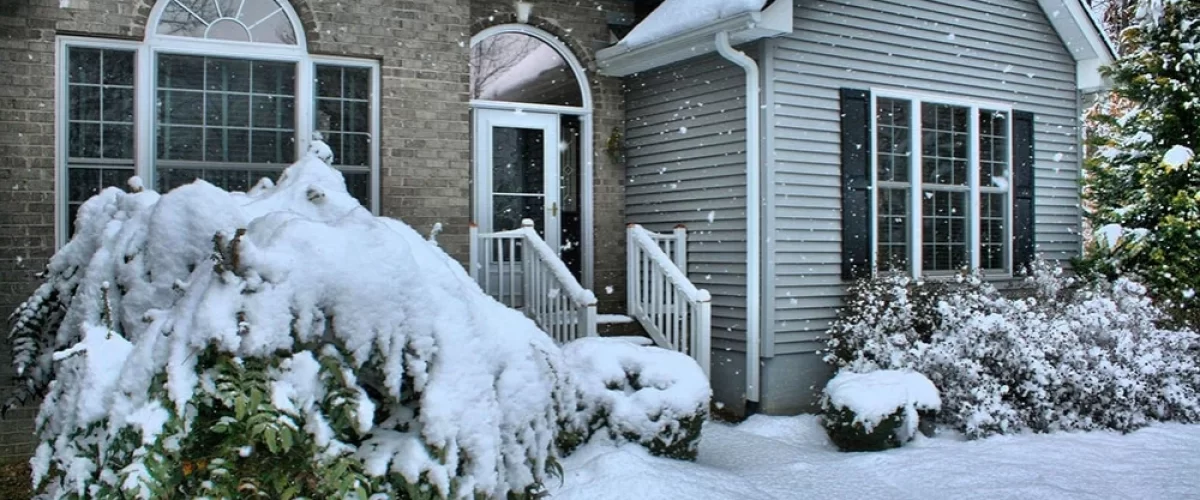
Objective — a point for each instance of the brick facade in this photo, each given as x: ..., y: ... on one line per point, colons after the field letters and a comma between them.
x: 422, y: 46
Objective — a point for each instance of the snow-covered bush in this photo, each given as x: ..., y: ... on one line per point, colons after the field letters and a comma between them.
x: 642, y: 394
x: 1070, y: 355
x: 279, y: 343
x: 878, y: 410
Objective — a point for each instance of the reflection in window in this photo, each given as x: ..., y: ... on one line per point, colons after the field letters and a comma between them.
x: 517, y: 67
x: 233, y: 20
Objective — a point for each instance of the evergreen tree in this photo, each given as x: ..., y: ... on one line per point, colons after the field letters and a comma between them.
x: 1143, y: 184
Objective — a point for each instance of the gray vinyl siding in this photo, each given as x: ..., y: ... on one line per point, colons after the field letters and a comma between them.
x: 685, y: 158
x: 1001, y: 51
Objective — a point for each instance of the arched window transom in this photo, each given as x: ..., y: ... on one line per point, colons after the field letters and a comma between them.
x: 261, y: 21
x: 514, y: 66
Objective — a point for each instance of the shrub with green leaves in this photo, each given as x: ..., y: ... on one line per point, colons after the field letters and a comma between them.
x: 308, y: 349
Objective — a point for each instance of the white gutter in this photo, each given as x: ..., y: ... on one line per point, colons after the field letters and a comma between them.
x: 753, y: 214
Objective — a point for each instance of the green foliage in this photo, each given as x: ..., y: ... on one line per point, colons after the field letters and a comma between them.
x: 851, y: 435
x: 1154, y: 107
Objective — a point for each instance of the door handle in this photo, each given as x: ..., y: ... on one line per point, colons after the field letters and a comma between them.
x: 554, y: 209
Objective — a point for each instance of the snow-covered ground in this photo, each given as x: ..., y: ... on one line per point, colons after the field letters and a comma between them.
x: 790, y: 457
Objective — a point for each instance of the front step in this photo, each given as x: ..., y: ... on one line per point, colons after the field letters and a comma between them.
x: 618, y: 325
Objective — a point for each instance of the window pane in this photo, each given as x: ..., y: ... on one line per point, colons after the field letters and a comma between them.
x: 993, y: 149
x: 893, y: 229
x: 892, y: 139
x: 516, y: 67
x: 100, y: 108
x: 263, y: 21
x: 232, y: 112
x: 993, y: 213
x: 344, y: 113
x: 944, y: 139
x: 517, y: 163
x: 944, y: 219
x: 359, y: 186
x: 84, y: 66
x: 85, y: 182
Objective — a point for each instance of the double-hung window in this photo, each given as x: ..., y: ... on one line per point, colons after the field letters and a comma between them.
x: 220, y: 90
x: 941, y: 177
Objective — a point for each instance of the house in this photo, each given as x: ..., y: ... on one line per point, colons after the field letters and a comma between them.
x: 779, y: 134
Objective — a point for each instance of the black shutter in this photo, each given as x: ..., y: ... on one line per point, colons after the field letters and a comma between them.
x: 856, y: 183
x: 1023, y: 156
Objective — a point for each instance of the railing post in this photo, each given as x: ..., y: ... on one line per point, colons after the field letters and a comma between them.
x: 680, y: 256
x: 702, y: 337
x: 473, y: 257
x: 587, y: 321
x: 631, y: 280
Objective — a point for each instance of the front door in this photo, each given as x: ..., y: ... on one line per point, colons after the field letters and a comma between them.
x: 517, y: 172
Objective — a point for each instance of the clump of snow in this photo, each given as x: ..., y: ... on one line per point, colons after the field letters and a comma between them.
x: 674, y: 17
x: 875, y: 396
x: 646, y: 394
x: 1177, y: 157
x: 288, y: 273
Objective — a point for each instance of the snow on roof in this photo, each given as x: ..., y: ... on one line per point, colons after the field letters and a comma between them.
x: 679, y: 16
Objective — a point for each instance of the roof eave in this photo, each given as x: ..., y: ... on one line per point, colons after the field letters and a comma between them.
x: 1085, y: 40
x: 618, y: 60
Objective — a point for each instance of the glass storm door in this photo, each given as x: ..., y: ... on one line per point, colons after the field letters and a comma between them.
x: 517, y: 157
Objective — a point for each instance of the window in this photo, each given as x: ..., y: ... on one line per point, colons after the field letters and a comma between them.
x: 941, y: 175
x: 221, y: 90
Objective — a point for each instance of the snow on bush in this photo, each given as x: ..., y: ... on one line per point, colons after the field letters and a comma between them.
x: 643, y: 394
x: 877, y: 410
x: 279, y: 343
x: 1072, y: 355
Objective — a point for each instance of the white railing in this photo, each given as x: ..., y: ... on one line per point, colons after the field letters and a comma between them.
x: 673, y: 311
x: 520, y: 270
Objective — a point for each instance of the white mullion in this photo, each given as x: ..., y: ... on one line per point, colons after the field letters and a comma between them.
x: 872, y: 210
x: 914, y: 190
x: 1008, y: 200
x: 61, y: 128
x: 376, y: 145
x: 144, y: 116
x: 305, y: 100
x: 974, y: 212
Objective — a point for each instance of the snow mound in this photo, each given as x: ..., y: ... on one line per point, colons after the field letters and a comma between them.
x: 674, y: 17
x: 646, y: 394
x: 876, y: 395
x: 442, y: 385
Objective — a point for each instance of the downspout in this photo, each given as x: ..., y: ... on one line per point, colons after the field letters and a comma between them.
x: 753, y: 216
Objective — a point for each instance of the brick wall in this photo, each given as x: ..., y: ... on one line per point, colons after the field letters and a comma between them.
x: 425, y: 137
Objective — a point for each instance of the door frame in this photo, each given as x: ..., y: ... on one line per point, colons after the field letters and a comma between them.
x: 587, y: 146
x: 485, y: 121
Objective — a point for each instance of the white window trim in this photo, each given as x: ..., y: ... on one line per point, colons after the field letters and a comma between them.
x: 145, y: 87
x: 587, y: 164
x: 915, y: 213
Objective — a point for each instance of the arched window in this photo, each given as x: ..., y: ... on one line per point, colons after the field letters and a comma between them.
x: 220, y: 90
x: 515, y: 66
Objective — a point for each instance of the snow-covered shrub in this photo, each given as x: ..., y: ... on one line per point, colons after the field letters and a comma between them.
x: 878, y: 410
x: 642, y: 394
x: 276, y: 344
x: 1069, y: 355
